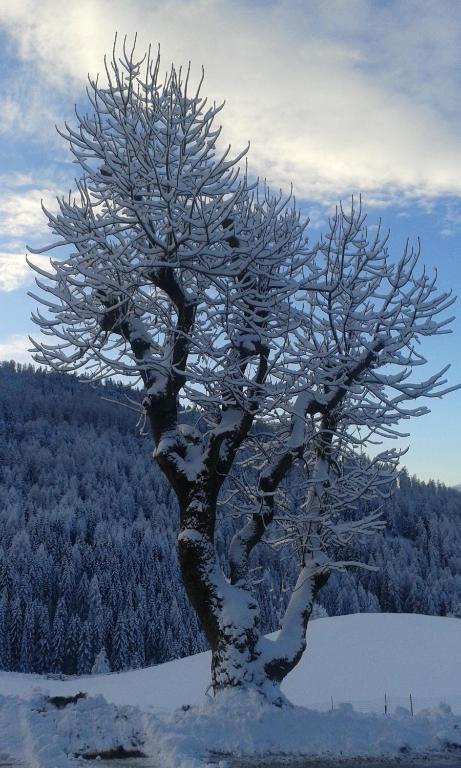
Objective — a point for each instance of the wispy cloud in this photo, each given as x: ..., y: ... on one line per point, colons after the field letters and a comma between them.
x: 336, y: 96
x: 15, y: 271
x: 11, y: 114
x: 452, y: 218
x: 16, y: 347
x: 16, y: 179
x: 21, y: 212
x: 22, y: 221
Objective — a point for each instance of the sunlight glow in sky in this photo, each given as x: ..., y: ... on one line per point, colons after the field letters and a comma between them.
x: 336, y: 97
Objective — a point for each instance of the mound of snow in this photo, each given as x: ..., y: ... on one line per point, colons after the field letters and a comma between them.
x: 40, y: 735
x: 236, y: 724
x: 243, y: 725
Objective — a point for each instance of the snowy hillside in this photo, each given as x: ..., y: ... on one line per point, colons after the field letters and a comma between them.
x: 355, y: 659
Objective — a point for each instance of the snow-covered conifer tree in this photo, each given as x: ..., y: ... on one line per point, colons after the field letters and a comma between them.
x: 41, y: 662
x: 201, y: 287
x: 5, y: 655
x: 96, y: 614
x: 121, y: 644
x: 58, y: 636
x: 85, y: 652
x: 15, y: 630
x: 101, y: 664
x: 74, y: 631
x: 27, y: 642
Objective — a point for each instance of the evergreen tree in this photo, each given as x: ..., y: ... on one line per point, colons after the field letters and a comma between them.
x: 85, y: 651
x: 74, y: 633
x: 26, y: 660
x: 15, y: 631
x: 96, y: 614
x: 5, y: 651
x: 101, y: 663
x: 58, y: 636
x: 121, y: 644
x: 42, y: 645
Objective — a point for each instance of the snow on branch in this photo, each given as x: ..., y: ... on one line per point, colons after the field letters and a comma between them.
x: 348, y: 378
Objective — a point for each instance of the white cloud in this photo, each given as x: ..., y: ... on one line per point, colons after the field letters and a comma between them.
x: 21, y: 220
x: 11, y: 114
x: 451, y: 218
x: 16, y: 179
x: 21, y: 212
x: 16, y: 348
x: 15, y: 272
x: 336, y: 97
x: 29, y: 106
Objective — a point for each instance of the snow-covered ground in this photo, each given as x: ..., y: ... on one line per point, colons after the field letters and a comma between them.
x: 351, y: 659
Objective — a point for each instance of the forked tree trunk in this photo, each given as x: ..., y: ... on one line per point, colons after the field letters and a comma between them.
x: 229, y: 613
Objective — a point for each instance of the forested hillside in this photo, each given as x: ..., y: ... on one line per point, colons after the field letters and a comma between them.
x: 87, y: 539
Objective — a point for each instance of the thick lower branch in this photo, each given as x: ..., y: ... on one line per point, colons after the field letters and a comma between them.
x: 291, y: 642
x: 243, y: 542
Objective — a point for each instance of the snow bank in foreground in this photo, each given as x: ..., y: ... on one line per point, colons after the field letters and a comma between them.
x: 243, y: 725
x: 40, y: 735
x: 236, y: 724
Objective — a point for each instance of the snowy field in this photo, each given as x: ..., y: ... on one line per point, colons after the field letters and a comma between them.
x: 352, y: 662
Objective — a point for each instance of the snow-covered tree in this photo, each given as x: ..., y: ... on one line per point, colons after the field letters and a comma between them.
x: 101, y: 664
x: 121, y: 643
x: 58, y: 635
x: 42, y: 641
x: 254, y: 350
x: 27, y: 643
x: 15, y: 630
x: 85, y: 653
x: 5, y: 657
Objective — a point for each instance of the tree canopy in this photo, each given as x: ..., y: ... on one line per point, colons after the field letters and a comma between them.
x: 197, y: 281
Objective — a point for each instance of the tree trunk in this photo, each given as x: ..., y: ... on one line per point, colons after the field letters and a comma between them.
x: 229, y: 613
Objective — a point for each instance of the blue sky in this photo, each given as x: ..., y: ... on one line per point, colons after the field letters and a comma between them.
x: 336, y: 96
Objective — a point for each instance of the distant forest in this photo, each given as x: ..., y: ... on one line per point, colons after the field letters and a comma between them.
x: 88, y: 571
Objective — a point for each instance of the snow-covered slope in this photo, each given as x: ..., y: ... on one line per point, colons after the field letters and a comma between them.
x: 354, y: 659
